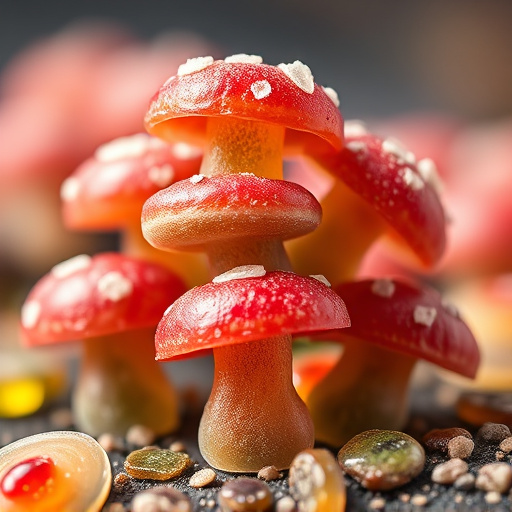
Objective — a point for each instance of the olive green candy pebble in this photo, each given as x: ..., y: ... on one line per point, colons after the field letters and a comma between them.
x: 382, y: 459
x: 156, y: 464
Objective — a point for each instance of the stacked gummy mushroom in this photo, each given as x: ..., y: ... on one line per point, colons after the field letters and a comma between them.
x: 238, y: 210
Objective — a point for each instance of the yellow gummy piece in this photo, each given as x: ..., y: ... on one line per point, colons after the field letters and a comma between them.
x: 21, y: 397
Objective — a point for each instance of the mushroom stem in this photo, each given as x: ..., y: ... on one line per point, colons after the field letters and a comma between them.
x: 269, y: 253
x: 237, y: 145
x: 342, y: 210
x: 120, y: 385
x: 191, y: 267
x: 254, y: 417
x: 366, y: 389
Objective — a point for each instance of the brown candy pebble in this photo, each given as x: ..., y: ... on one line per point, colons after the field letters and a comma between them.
x: 115, y: 507
x: 493, y: 433
x: 269, y: 473
x: 286, y: 504
x: 139, y: 435
x: 419, y: 500
x: 494, y: 477
x: 436, y: 440
x: 245, y: 495
x: 448, y: 472
x: 110, y: 442
x: 465, y: 482
x: 161, y: 499
x: 460, y: 447
x: 506, y: 445
x: 492, y: 497
x: 202, y: 478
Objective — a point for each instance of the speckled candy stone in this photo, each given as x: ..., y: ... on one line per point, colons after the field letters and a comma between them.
x: 382, y: 459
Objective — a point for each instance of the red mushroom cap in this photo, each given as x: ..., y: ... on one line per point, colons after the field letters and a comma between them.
x: 405, y: 318
x: 108, y: 190
x: 202, y: 210
x: 242, y: 87
x: 242, y: 309
x: 94, y: 296
x: 387, y: 176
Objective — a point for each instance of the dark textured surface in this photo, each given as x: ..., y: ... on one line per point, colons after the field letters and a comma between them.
x: 426, y: 414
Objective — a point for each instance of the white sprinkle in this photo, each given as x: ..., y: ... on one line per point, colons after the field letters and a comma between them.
x: 241, y: 272
x: 261, y: 89
x: 69, y: 189
x: 321, y: 278
x: 333, y: 95
x: 285, y: 504
x: 428, y: 171
x: 450, y: 308
x: 356, y: 146
x: 355, y: 128
x: 30, y: 313
x: 68, y: 267
x: 412, y: 179
x: 132, y: 146
x: 243, y: 58
x: 424, y: 315
x: 383, y: 288
x: 196, y: 178
x: 300, y: 75
x: 114, y: 286
x: 193, y: 65
x: 161, y: 176
x: 185, y: 151
x: 396, y: 148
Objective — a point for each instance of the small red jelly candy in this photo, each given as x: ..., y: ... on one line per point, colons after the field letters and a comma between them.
x: 29, y: 478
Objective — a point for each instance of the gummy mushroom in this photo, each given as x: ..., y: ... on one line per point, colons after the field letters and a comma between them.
x: 380, y: 189
x: 254, y: 417
x: 108, y: 190
x: 238, y: 210
x: 245, y: 114
x: 393, y: 324
x: 113, y: 303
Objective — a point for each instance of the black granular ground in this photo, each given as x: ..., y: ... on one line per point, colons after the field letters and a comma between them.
x: 419, y: 495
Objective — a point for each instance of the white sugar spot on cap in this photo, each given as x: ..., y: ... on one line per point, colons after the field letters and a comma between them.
x: 114, y: 286
x: 450, y: 308
x: 428, y: 171
x: 196, y: 178
x: 333, y: 95
x: 356, y: 146
x: 412, y: 179
x: 69, y: 189
x: 321, y: 278
x: 69, y: 267
x: 300, y: 75
x: 355, y: 128
x: 162, y: 175
x: 185, y: 151
x: 156, y: 143
x: 383, y: 288
x: 193, y: 65
x: 397, y: 149
x: 424, y: 315
x: 242, y: 272
x: 132, y: 146
x: 30, y: 313
x: 243, y: 58
x: 261, y: 89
